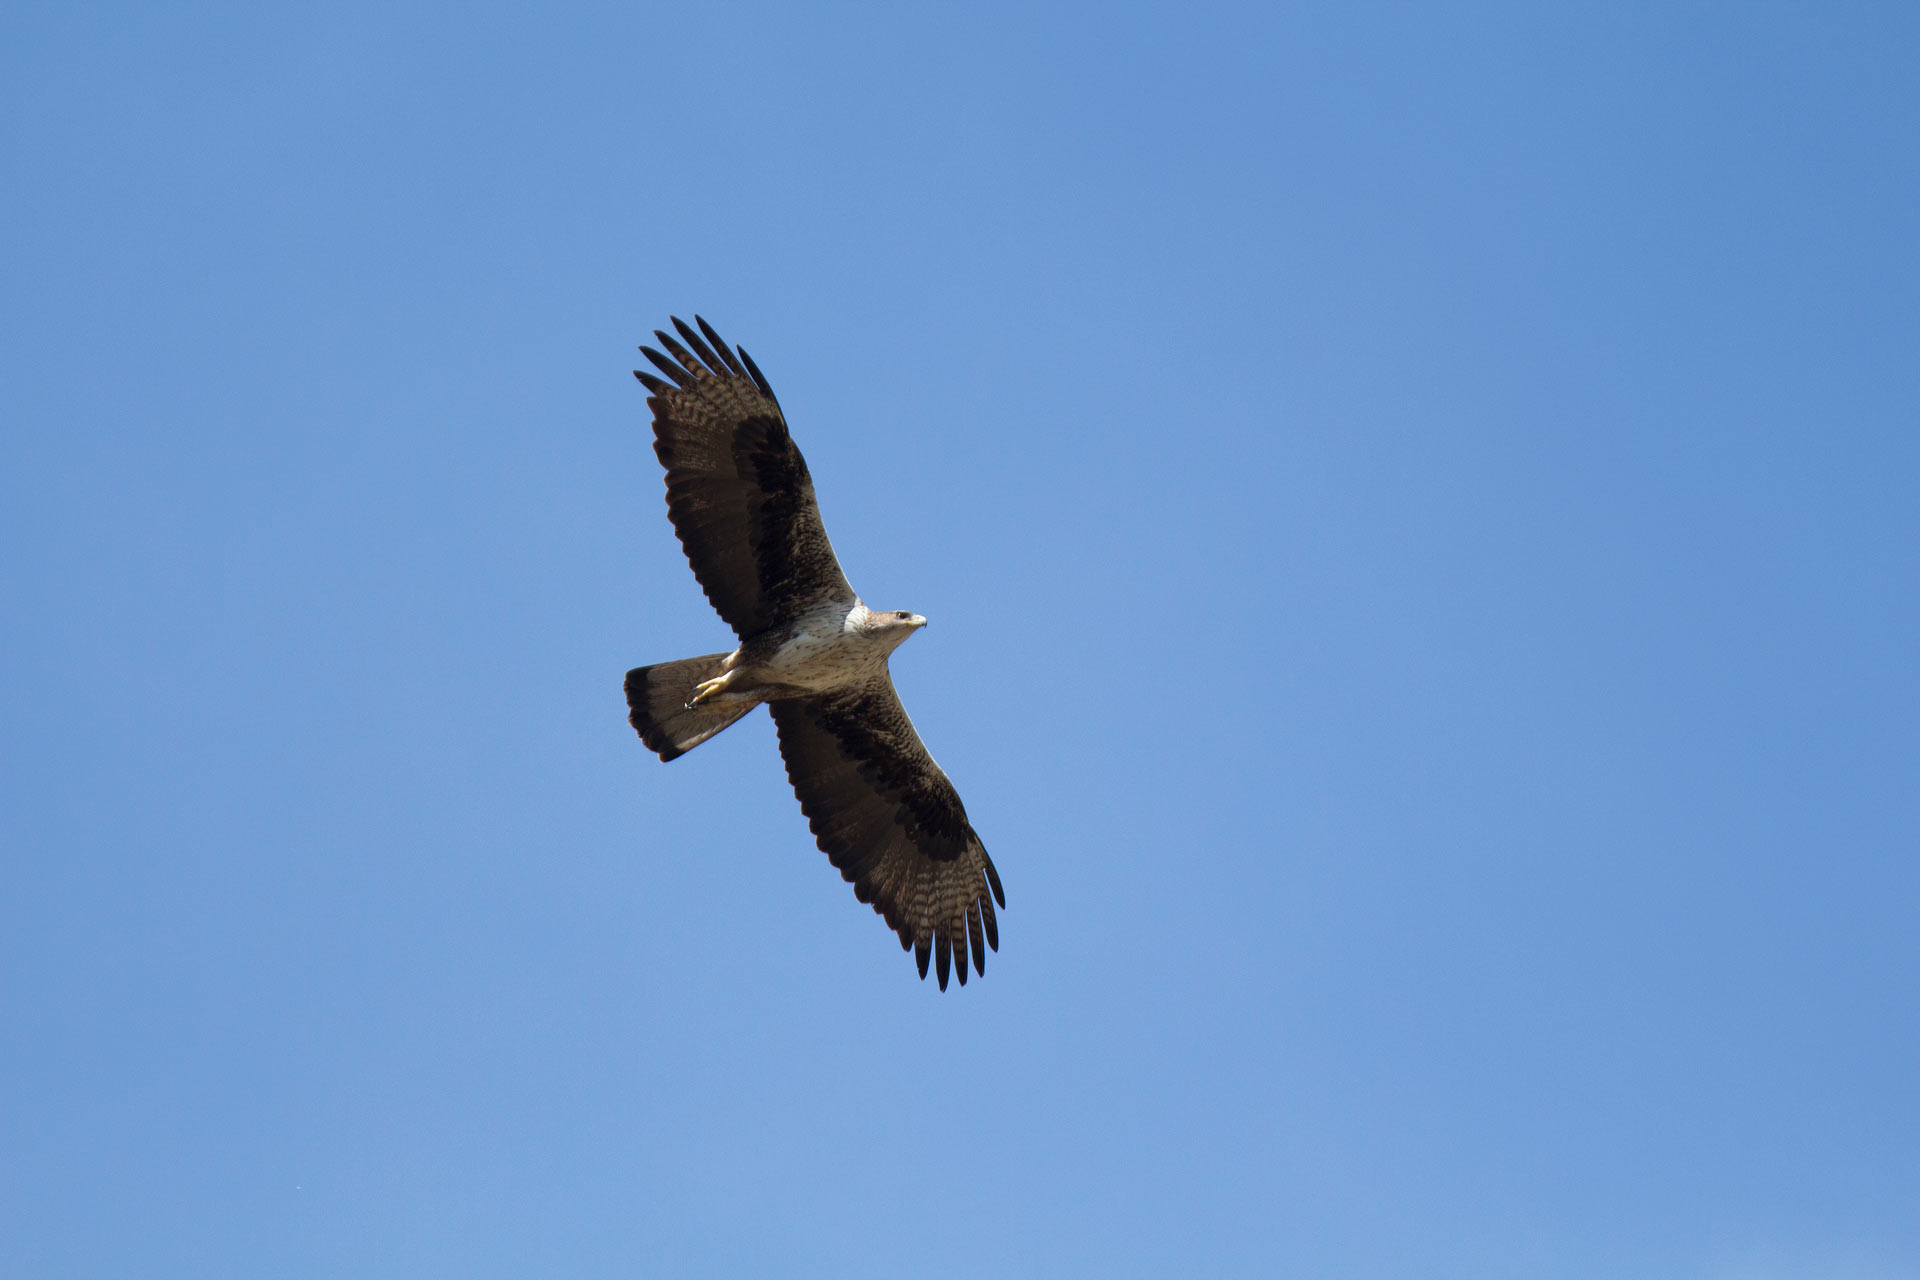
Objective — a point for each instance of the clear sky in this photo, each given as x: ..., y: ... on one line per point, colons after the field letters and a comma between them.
x: 1419, y: 508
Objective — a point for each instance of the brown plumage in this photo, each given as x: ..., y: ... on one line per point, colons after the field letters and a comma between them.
x: 742, y: 504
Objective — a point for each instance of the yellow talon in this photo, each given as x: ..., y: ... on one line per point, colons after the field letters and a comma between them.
x: 706, y: 689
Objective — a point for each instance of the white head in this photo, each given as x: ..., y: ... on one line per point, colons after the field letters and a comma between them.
x: 892, y: 626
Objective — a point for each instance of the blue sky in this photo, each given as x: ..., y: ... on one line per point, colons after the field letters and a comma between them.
x: 1419, y: 508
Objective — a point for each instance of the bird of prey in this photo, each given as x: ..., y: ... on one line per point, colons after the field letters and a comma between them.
x: 741, y: 502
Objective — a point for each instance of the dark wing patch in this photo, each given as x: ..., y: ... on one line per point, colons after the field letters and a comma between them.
x: 888, y: 817
x: 738, y: 491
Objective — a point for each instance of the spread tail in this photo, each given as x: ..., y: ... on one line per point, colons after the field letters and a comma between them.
x: 657, y: 697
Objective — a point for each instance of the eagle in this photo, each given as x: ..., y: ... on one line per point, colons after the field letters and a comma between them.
x: 741, y: 502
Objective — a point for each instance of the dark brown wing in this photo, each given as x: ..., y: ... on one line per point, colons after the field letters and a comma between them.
x: 891, y: 821
x: 738, y: 491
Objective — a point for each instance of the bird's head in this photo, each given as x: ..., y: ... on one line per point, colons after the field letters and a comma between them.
x: 894, y: 625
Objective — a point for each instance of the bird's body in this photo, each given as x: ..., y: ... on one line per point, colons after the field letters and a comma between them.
x: 832, y: 645
x: 741, y: 501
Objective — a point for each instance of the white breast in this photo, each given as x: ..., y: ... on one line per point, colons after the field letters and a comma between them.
x: 826, y: 652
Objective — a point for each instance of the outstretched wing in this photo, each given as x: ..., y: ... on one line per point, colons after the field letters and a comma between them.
x: 738, y: 491
x: 889, y: 819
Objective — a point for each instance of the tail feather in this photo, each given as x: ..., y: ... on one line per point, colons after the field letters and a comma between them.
x: 657, y: 698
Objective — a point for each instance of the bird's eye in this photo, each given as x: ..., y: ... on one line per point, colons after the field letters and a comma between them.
x: 903, y: 615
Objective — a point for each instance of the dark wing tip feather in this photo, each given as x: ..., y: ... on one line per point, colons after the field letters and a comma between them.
x: 685, y: 357
x: 651, y: 383
x: 720, y: 345
x: 679, y: 375
x: 759, y: 378
x: 700, y: 348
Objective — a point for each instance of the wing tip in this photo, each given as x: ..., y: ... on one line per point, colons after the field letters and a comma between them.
x: 705, y: 354
x: 993, y: 876
x: 759, y: 378
x: 680, y: 376
x: 719, y: 344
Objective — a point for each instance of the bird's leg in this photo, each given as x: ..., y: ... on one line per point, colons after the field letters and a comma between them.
x: 707, y: 690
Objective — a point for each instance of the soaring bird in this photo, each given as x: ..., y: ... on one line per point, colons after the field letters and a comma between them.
x: 742, y: 504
